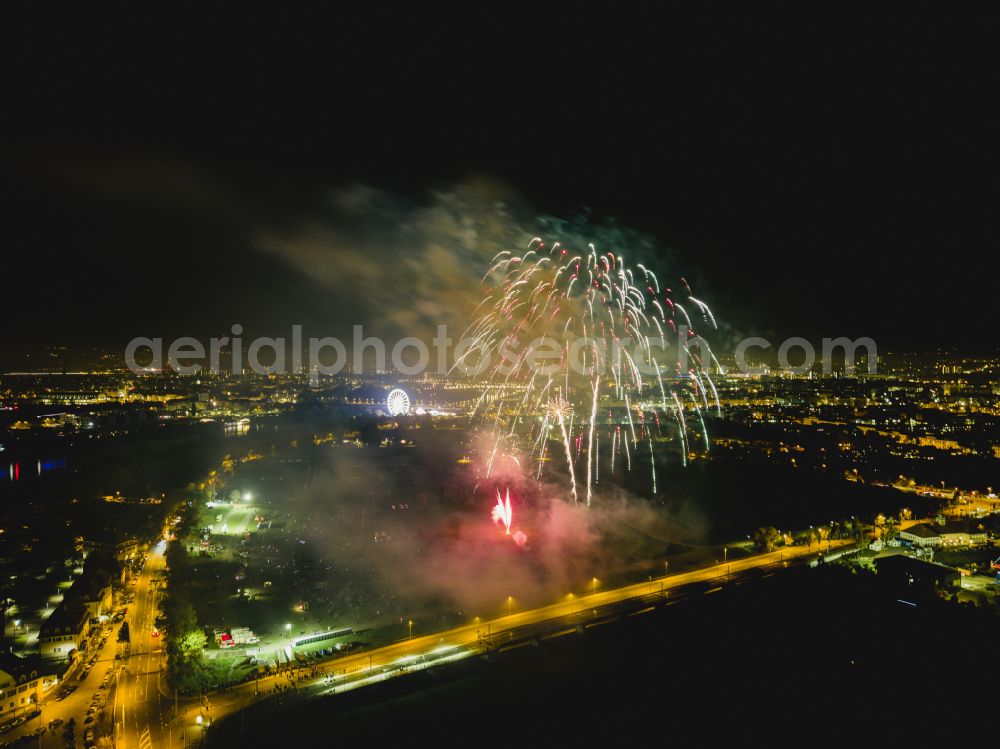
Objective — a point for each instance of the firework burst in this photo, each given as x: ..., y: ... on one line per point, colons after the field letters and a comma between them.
x: 623, y: 361
x: 502, y: 512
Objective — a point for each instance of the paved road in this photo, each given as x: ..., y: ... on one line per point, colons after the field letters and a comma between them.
x: 76, y: 704
x: 379, y: 661
x: 144, y: 713
x: 138, y: 702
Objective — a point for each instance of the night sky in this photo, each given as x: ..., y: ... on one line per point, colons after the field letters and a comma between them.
x: 819, y: 175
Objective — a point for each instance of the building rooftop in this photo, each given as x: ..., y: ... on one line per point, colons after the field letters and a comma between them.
x: 98, y: 572
x: 961, y: 526
x: 901, y: 568
x: 28, y: 668
x: 923, y: 530
x: 67, y: 617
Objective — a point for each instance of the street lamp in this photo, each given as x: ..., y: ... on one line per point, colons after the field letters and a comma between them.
x: 411, y: 630
x: 594, y: 581
x: 725, y: 559
x: 509, y: 600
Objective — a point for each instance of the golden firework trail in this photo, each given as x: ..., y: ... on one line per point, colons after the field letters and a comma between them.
x: 569, y: 337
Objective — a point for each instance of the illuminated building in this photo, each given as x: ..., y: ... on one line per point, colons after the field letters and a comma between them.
x: 23, y: 683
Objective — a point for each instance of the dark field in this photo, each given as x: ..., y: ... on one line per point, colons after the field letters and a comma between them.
x: 807, y: 654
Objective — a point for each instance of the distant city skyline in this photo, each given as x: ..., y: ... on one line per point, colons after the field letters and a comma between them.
x: 592, y: 376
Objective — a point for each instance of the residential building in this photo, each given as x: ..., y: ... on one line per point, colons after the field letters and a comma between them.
x: 64, y: 632
x: 87, y: 603
x: 23, y: 683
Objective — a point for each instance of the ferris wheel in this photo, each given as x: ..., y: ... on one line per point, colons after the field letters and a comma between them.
x: 398, y: 402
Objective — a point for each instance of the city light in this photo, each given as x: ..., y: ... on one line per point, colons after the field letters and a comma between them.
x: 311, y: 345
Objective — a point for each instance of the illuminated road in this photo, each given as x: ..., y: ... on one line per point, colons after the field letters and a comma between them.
x: 380, y: 663
x: 137, y: 701
x: 144, y: 715
x: 76, y: 704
